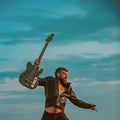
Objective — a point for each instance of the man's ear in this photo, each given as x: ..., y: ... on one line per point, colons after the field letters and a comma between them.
x: 58, y: 74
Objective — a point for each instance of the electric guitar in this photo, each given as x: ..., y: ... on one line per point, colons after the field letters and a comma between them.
x: 29, y: 78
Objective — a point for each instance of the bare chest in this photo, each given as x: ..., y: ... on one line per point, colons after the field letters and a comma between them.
x: 61, y: 89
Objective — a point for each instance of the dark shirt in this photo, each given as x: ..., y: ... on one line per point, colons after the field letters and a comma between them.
x: 53, y: 98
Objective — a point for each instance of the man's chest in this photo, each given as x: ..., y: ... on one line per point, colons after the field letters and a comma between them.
x: 61, y: 89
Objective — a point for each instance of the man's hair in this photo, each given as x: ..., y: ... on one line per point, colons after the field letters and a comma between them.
x: 60, y: 69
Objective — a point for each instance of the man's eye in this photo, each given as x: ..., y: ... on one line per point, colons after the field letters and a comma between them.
x: 64, y: 74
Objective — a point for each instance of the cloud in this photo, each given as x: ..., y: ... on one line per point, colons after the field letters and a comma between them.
x: 110, y: 33
x: 4, y: 96
x: 88, y: 50
x: 9, y: 26
x: 11, y: 85
x: 21, y: 110
x: 25, y: 107
x: 8, y: 70
x: 116, y: 82
x: 76, y: 82
x: 45, y: 9
x: 66, y: 11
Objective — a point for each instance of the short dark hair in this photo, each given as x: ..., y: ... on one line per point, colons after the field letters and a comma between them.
x: 59, y: 69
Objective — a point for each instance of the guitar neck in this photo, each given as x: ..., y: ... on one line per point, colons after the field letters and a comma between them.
x: 42, y: 52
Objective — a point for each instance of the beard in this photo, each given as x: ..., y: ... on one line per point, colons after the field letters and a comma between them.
x: 63, y: 81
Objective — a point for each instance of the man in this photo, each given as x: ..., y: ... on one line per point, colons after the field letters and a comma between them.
x: 57, y: 90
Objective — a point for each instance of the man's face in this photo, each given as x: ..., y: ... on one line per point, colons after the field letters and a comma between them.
x: 62, y: 75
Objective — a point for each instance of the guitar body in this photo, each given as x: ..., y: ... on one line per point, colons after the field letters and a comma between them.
x: 29, y: 78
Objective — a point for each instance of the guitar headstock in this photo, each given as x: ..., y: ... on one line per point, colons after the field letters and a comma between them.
x: 50, y: 37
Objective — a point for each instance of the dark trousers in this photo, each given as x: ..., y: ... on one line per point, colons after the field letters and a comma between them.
x: 54, y: 116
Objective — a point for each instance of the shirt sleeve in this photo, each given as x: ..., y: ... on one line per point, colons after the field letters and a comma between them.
x: 42, y: 82
x: 77, y: 101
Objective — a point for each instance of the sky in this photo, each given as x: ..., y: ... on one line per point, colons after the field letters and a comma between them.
x: 86, y: 41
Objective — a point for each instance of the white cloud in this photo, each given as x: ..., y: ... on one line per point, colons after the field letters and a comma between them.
x: 10, y: 26
x: 11, y: 85
x: 64, y: 11
x: 110, y: 33
x: 72, y: 11
x: 83, y: 49
x: 87, y: 50
x: 9, y: 69
x: 76, y: 82
x: 116, y: 82
x: 4, y: 96
x: 8, y: 86
x: 26, y: 108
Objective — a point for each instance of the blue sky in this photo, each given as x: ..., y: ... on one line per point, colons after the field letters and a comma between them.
x: 86, y: 41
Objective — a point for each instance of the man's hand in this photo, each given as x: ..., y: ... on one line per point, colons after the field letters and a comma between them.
x: 37, y: 62
x: 93, y: 107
